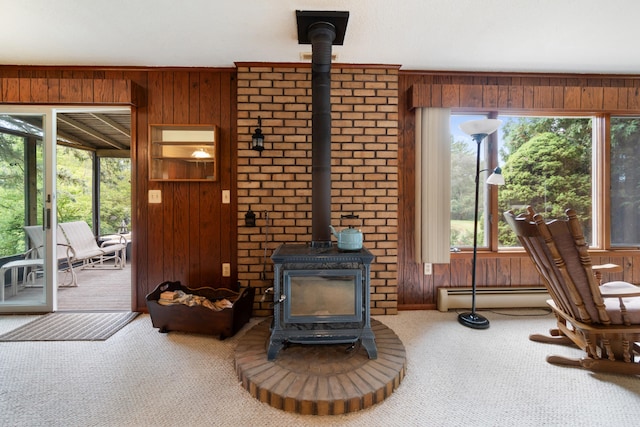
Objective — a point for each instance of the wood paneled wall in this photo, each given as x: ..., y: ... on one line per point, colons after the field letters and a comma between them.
x: 191, y: 233
x: 492, y: 92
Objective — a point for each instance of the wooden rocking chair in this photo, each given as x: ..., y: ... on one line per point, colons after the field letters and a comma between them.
x: 601, y: 319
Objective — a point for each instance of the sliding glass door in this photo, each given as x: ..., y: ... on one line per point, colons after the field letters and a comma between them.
x: 28, y: 264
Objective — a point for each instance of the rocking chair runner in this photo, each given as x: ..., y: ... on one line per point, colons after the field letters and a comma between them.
x: 601, y: 319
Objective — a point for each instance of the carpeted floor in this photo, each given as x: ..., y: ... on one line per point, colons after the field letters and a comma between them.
x: 65, y: 326
x: 455, y: 376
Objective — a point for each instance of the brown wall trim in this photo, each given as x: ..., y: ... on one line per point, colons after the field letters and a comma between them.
x: 94, y: 69
x: 308, y: 65
x: 29, y: 90
x: 525, y: 97
x: 538, y: 76
x: 410, y: 307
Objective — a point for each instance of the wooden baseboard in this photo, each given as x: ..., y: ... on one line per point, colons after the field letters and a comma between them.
x: 407, y: 307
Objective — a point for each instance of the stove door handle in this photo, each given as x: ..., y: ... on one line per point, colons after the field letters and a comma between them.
x: 270, y: 291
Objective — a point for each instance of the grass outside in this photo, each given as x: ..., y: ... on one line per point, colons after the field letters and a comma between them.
x: 461, y: 233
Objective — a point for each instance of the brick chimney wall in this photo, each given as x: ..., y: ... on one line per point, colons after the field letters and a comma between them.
x: 278, y: 182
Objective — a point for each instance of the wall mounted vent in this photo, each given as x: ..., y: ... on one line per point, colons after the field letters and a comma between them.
x: 307, y: 57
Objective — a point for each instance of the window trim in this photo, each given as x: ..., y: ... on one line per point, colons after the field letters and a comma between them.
x: 601, y: 176
x: 606, y: 182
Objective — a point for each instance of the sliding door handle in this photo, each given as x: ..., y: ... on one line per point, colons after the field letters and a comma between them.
x: 47, y: 218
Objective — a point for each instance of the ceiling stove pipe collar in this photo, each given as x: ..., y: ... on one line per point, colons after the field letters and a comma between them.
x: 322, y: 35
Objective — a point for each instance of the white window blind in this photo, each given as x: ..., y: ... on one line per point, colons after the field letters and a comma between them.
x: 433, y: 185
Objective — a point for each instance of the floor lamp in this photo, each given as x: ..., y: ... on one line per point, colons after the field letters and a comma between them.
x: 478, y: 130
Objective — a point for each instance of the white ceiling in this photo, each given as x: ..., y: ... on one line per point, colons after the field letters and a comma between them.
x: 573, y: 36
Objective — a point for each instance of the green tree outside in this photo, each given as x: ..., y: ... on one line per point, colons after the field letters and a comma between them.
x: 625, y: 181
x: 12, y: 203
x: 546, y: 164
x: 74, y: 191
x: 463, y: 174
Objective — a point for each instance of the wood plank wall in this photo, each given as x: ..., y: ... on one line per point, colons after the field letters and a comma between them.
x: 491, y: 92
x: 191, y: 233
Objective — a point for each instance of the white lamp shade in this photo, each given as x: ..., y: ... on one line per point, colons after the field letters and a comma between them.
x: 480, y: 127
x: 201, y: 154
x: 496, y: 177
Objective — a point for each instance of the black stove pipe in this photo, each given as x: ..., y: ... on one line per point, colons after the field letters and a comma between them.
x: 321, y: 34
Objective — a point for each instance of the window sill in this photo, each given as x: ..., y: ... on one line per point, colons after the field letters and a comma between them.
x: 484, y: 253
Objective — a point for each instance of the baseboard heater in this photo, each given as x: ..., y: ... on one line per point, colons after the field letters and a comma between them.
x: 493, y: 297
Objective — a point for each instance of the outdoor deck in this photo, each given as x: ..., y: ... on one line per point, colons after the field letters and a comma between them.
x: 99, y: 289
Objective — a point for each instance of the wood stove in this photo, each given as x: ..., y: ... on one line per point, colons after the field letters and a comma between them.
x: 321, y: 296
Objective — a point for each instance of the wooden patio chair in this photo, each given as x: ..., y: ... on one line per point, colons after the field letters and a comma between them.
x: 601, y: 319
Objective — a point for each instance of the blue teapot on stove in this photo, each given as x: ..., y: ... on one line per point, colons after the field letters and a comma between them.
x: 350, y: 238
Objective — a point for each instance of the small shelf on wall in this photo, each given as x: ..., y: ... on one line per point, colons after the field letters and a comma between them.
x: 183, y: 152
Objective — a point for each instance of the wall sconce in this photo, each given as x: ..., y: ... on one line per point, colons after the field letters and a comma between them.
x: 257, y: 140
x: 250, y: 218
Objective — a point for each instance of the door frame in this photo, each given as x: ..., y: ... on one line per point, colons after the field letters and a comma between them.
x: 49, y: 114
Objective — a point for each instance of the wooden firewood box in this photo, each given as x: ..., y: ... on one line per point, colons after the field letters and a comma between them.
x: 199, y: 319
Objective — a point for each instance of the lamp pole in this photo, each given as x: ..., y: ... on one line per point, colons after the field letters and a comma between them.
x: 479, y: 130
x: 473, y: 319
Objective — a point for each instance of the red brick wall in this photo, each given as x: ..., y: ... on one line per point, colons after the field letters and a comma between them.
x: 278, y: 181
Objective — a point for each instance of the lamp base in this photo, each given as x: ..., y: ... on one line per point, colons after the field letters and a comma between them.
x: 473, y: 320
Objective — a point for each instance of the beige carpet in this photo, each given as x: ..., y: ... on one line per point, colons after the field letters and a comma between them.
x: 64, y: 326
x: 455, y: 376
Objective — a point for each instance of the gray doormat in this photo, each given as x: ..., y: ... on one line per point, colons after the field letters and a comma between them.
x: 82, y: 326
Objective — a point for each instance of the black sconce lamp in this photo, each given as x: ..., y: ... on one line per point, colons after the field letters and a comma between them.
x: 250, y: 218
x: 257, y: 139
